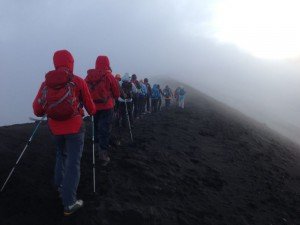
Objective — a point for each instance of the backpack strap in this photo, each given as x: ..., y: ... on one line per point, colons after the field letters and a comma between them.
x: 61, y: 100
x: 42, y: 101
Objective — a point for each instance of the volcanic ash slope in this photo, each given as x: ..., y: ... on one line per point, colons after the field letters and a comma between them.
x: 206, y: 164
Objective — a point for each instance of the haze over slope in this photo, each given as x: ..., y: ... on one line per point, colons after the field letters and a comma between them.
x: 167, y: 38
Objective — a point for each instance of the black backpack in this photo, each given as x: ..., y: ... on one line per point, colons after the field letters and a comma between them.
x: 126, y: 90
x: 167, y: 92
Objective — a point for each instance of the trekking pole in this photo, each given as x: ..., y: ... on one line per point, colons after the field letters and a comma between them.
x: 93, y: 140
x: 128, y: 120
x: 28, y: 143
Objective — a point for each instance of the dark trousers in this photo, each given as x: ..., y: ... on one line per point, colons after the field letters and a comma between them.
x: 148, y: 103
x: 167, y: 102
x: 67, y: 167
x: 123, y: 116
x: 103, y: 126
x: 159, y: 104
x: 136, y: 106
x: 142, y: 104
x: 154, y: 105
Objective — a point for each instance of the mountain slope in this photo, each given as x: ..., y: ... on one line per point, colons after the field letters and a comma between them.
x: 206, y: 164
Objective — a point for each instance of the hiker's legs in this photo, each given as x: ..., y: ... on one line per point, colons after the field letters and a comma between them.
x: 104, y: 123
x: 61, y: 156
x: 168, y: 103
x: 135, y: 109
x: 123, y: 114
x: 140, y: 105
x: 74, y: 147
x: 116, y: 117
x: 148, y: 103
x: 144, y: 104
x: 181, y: 101
x: 154, y: 104
x: 129, y: 108
x: 159, y: 104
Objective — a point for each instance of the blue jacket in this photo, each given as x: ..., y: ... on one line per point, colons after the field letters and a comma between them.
x: 143, y: 89
x: 155, y: 92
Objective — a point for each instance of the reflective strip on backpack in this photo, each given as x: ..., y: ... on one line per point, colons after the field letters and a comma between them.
x: 61, y: 100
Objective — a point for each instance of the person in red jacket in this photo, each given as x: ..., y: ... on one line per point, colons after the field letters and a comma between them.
x: 67, y: 128
x: 104, y: 89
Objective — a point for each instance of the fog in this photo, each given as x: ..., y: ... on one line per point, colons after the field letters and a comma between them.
x: 149, y: 38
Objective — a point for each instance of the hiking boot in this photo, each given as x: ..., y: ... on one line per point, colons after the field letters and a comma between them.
x: 73, y: 208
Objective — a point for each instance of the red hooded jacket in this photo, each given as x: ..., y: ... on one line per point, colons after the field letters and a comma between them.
x: 102, y: 68
x: 64, y: 60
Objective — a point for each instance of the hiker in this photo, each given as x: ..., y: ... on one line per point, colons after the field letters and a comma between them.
x: 143, y: 97
x: 181, y: 97
x: 104, y: 90
x: 116, y: 108
x: 127, y: 90
x: 159, y: 99
x: 149, y: 92
x: 135, y: 97
x: 168, y: 94
x: 118, y: 77
x: 154, y: 98
x: 65, y: 123
x: 176, y: 94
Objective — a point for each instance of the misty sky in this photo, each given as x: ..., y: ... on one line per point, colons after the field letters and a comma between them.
x: 202, y: 43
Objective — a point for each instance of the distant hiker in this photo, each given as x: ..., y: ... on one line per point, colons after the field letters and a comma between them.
x: 176, y: 94
x: 60, y: 97
x: 168, y: 94
x: 118, y: 77
x: 149, y: 92
x: 127, y: 90
x: 143, y: 97
x: 104, y: 90
x: 116, y: 109
x: 181, y: 97
x: 136, y: 103
x: 155, y: 97
x: 159, y: 99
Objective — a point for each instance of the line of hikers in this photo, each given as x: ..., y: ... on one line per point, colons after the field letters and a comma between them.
x: 141, y: 99
x: 62, y: 97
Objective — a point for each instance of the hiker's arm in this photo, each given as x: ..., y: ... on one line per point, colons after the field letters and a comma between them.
x: 37, y: 107
x: 87, y: 99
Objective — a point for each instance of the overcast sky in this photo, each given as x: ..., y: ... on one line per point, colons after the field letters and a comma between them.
x: 149, y: 37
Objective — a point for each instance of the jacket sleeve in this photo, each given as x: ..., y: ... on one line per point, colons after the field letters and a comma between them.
x: 37, y: 107
x: 114, y: 87
x: 87, y: 99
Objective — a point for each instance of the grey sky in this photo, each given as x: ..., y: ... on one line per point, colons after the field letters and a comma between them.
x: 149, y: 38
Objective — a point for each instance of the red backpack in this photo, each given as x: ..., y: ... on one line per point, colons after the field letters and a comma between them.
x: 99, y: 87
x: 58, y: 95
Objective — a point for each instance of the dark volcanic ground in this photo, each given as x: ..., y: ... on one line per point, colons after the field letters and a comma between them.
x: 207, y: 164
